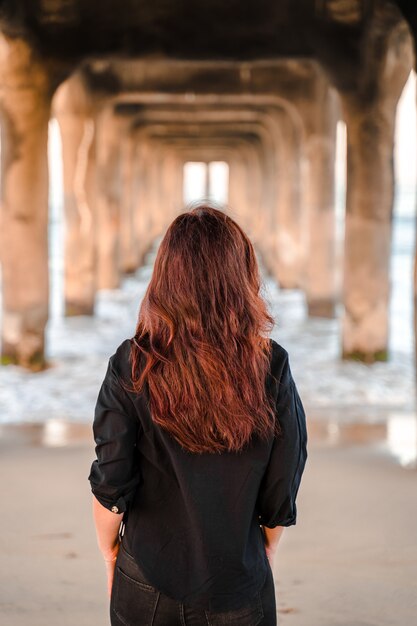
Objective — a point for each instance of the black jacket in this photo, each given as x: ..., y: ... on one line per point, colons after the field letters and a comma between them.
x: 194, y: 523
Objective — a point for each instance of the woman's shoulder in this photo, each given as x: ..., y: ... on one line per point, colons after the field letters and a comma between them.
x: 279, y: 353
x: 120, y: 359
x: 123, y: 348
x: 279, y: 357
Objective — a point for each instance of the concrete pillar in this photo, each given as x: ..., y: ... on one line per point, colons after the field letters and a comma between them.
x: 239, y: 190
x: 128, y: 235
x: 245, y: 192
x: 368, y: 227
x: 370, y: 125
x: 170, y: 187
x: 265, y: 215
x: 173, y: 184
x: 24, y: 110
x: 258, y: 209
x: 108, y: 159
x: 178, y: 185
x: 163, y: 208
x: 154, y: 197
x: 288, y: 227
x: 142, y: 195
x: 73, y: 111
x: 319, y: 218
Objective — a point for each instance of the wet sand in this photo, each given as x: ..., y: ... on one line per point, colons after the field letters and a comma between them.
x: 351, y: 559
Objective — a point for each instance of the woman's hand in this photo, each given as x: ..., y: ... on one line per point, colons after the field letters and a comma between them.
x: 271, y: 540
x: 110, y: 562
x: 270, y: 555
x: 107, y: 527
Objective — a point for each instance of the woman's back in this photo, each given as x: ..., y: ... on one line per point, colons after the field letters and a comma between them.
x: 201, y: 435
x: 194, y: 520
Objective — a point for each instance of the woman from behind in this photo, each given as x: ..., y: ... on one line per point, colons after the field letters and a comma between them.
x: 201, y: 439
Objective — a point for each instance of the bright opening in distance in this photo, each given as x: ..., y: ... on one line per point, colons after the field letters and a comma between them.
x: 206, y: 180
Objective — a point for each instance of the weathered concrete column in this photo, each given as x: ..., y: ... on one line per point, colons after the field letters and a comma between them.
x: 245, y: 192
x: 109, y: 131
x: 163, y: 198
x: 178, y: 185
x: 288, y: 233
x: 262, y: 206
x: 319, y: 202
x: 368, y: 229
x: 154, y: 198
x: 173, y: 184
x: 239, y: 189
x: 128, y: 235
x: 142, y: 195
x: 167, y: 196
x: 137, y: 192
x: 369, y: 203
x: 25, y: 95
x: 73, y: 110
x: 166, y: 205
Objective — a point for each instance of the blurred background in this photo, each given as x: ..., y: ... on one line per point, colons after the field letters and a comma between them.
x: 298, y: 118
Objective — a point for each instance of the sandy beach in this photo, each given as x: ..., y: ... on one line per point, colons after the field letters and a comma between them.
x: 351, y: 559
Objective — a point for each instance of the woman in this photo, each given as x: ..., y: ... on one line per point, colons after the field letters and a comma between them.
x: 201, y: 439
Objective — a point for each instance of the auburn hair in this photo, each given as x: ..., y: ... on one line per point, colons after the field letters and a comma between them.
x: 199, y: 343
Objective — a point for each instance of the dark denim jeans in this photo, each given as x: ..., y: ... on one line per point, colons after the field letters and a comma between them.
x: 134, y: 602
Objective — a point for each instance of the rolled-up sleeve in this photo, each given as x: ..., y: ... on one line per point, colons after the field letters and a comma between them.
x: 115, y: 474
x: 276, y: 503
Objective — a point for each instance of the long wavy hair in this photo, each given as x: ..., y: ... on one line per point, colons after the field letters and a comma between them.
x: 199, y: 343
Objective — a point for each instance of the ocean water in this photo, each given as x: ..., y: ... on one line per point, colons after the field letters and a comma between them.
x: 79, y: 347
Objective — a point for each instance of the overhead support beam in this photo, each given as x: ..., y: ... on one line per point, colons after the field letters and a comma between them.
x: 290, y: 86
